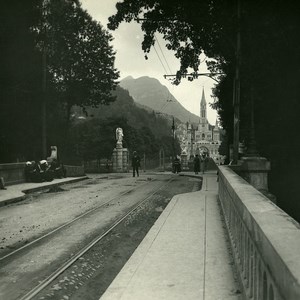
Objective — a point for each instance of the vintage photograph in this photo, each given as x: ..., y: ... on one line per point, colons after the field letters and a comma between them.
x: 149, y: 150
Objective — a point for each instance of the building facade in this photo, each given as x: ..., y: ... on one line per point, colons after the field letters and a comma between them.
x: 202, y: 137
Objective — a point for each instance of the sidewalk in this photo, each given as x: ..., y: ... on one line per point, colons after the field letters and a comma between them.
x: 17, y: 192
x: 183, y: 256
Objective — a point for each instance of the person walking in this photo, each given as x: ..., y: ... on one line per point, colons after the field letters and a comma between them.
x: 136, y: 163
x: 196, y: 164
x: 177, y: 165
x: 204, y: 160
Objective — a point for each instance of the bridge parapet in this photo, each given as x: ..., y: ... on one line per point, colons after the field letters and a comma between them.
x: 264, y: 239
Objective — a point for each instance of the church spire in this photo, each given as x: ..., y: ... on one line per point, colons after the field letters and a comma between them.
x: 203, y: 107
x: 203, y: 100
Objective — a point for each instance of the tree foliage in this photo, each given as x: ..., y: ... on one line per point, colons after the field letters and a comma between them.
x: 189, y: 27
x: 79, y: 55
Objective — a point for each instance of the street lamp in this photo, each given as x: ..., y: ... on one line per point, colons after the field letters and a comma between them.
x: 173, y: 140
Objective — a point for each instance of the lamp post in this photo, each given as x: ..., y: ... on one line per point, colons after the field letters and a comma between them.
x: 45, y: 13
x: 252, y: 150
x: 236, y: 89
x: 173, y: 140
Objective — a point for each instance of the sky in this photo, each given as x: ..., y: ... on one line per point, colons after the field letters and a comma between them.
x: 130, y: 59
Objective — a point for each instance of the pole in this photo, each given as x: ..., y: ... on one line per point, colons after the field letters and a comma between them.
x: 163, y: 153
x: 236, y: 94
x: 173, y: 144
x: 44, y: 82
x: 252, y: 150
x: 160, y: 159
x: 44, y: 113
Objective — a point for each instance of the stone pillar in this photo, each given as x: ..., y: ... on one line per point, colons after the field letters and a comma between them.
x: 114, y: 160
x: 255, y: 171
x: 120, y: 159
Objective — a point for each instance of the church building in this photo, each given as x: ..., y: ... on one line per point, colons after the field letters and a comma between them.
x: 202, y: 137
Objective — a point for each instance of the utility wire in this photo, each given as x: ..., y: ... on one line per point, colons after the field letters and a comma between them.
x: 160, y: 59
x: 164, y: 67
x: 163, y: 54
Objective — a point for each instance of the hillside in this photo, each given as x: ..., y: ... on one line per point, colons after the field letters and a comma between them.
x: 150, y: 92
x: 93, y: 130
x: 137, y: 115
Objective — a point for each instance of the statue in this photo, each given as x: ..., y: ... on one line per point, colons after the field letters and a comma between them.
x: 119, y: 135
x: 53, y: 154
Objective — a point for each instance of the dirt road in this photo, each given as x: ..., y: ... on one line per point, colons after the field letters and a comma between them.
x: 51, y: 226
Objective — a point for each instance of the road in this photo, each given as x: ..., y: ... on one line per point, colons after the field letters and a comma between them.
x: 50, y: 227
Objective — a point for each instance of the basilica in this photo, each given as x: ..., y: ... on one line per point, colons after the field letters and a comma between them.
x: 202, y: 137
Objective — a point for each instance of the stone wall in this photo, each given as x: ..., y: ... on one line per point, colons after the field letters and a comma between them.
x: 14, y: 173
x: 264, y: 239
x: 74, y: 171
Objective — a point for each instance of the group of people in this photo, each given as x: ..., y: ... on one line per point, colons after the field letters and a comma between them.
x: 200, y: 163
x: 176, y: 165
x: 44, y: 171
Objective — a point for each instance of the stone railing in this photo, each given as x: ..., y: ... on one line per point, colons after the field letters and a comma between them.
x: 13, y: 173
x: 265, y: 240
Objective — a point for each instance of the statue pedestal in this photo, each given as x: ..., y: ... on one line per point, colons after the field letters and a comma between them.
x: 120, y: 159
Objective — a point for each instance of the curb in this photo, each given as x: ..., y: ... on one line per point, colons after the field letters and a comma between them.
x: 39, y: 188
x: 191, y: 175
x: 12, y: 200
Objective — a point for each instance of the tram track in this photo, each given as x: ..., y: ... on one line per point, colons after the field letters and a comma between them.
x: 43, y: 284
x: 25, y: 268
x: 63, y: 226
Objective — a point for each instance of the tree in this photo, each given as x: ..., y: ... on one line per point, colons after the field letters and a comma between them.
x: 80, y: 58
x: 20, y: 82
x: 79, y: 69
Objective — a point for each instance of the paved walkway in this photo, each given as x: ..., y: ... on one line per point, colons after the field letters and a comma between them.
x: 184, y: 256
x: 17, y: 192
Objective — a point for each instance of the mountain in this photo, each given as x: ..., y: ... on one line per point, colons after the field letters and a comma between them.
x: 151, y: 93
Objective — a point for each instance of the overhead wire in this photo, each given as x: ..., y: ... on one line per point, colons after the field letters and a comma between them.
x: 160, y: 59
x: 162, y: 54
x: 164, y: 65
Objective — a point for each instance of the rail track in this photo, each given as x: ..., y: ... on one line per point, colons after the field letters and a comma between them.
x: 43, y: 284
x: 79, y: 217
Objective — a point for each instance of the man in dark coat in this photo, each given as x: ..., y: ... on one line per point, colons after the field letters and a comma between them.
x: 196, y: 164
x: 136, y: 162
x: 177, y: 167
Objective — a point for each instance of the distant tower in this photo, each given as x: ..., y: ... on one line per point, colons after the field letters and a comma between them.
x: 203, y: 124
x: 203, y: 108
x: 216, y: 132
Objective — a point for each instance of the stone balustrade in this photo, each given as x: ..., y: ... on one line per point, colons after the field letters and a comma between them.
x: 265, y: 240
